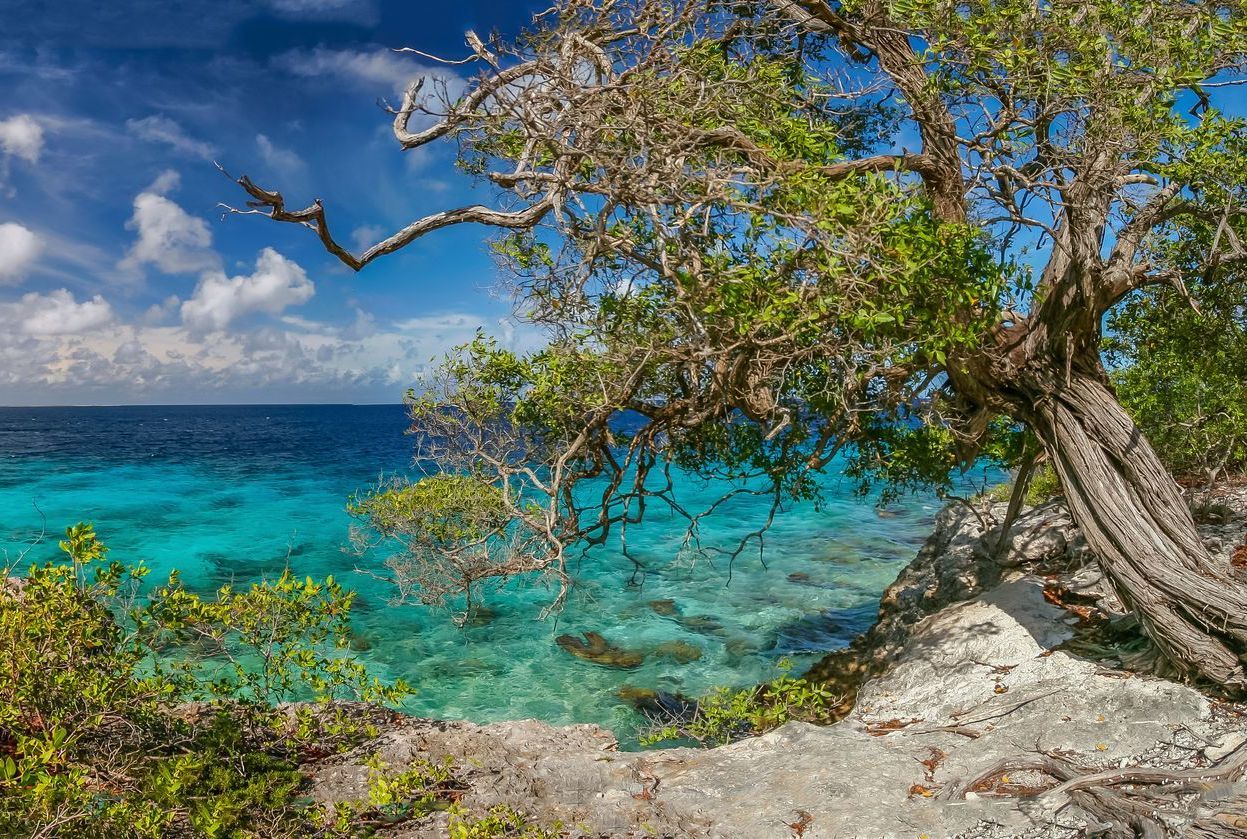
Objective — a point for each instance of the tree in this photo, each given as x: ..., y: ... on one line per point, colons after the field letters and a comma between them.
x: 1181, y: 372
x: 778, y: 231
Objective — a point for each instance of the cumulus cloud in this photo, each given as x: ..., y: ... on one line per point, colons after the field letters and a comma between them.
x: 276, y: 284
x: 158, y: 313
x: 21, y: 136
x: 303, y: 360
x: 19, y: 248
x: 168, y: 237
x: 161, y: 129
x: 58, y: 313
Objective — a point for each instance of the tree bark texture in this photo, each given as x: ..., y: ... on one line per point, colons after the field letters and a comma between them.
x: 1141, y: 529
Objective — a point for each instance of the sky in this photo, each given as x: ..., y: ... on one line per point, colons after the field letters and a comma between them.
x: 121, y: 279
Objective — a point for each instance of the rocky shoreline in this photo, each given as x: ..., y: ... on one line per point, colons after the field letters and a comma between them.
x: 993, y: 673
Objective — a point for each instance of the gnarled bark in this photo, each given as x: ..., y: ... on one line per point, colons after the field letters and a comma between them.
x: 1141, y: 529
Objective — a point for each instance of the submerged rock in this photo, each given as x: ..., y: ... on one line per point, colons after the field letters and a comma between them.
x: 681, y: 652
x: 665, y: 607
x: 598, y: 650
x: 360, y: 643
x: 480, y: 616
x: 702, y: 624
x: 658, y: 704
x: 741, y: 647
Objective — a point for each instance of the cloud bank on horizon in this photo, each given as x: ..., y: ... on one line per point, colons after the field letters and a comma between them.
x: 121, y: 281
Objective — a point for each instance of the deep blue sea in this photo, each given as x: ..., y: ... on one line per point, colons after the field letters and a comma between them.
x: 234, y: 493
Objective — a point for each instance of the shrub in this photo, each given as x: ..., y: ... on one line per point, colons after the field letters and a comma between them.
x: 1182, y: 373
x: 725, y: 715
x: 94, y: 737
x: 499, y: 822
x: 1044, y: 485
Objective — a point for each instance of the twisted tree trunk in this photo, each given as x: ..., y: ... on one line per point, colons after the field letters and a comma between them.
x: 1141, y: 529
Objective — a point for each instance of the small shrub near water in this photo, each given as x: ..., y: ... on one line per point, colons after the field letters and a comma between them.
x: 499, y: 822
x: 725, y: 715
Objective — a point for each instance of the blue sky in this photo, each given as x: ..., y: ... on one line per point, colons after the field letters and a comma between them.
x: 121, y: 282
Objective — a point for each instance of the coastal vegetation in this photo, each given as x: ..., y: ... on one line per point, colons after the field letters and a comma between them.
x: 127, y: 713
x: 783, y: 232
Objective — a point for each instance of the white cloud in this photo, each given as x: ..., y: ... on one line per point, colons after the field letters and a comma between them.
x: 168, y: 237
x: 357, y: 11
x: 166, y: 182
x: 21, y: 136
x: 158, y: 313
x: 19, y: 248
x: 58, y: 313
x: 441, y: 323
x: 366, y: 236
x: 276, y: 284
x: 160, y: 129
x: 371, y: 68
x: 112, y: 362
x: 281, y: 160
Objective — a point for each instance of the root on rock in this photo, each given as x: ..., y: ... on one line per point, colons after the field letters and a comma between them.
x: 1133, y: 801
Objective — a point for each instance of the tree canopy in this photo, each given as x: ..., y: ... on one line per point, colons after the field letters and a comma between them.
x: 782, y: 231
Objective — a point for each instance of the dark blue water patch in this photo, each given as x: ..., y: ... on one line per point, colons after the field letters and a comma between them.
x: 239, y: 439
x: 827, y: 630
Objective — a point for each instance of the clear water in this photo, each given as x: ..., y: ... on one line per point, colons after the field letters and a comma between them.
x: 231, y: 494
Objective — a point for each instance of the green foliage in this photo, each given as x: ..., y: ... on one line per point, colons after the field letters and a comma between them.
x: 416, y: 791
x: 1182, y: 373
x: 94, y: 739
x: 725, y: 715
x: 226, y: 784
x: 500, y: 822
x: 1044, y: 485
x: 277, y: 640
x: 446, y: 509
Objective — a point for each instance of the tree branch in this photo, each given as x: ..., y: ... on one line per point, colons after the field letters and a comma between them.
x: 273, y: 205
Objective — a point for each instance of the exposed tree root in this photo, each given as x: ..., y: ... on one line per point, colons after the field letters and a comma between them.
x: 1133, y: 801
x: 1224, y: 819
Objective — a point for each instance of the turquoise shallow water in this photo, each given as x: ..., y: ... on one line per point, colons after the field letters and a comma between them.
x: 230, y: 494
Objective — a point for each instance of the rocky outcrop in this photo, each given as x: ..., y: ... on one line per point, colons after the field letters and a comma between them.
x: 973, y: 669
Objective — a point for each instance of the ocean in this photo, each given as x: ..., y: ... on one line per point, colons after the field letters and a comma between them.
x: 231, y: 494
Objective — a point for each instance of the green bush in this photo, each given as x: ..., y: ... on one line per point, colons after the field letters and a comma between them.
x: 95, y: 736
x: 499, y: 822
x: 1044, y: 485
x: 725, y: 715
x: 1182, y: 373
